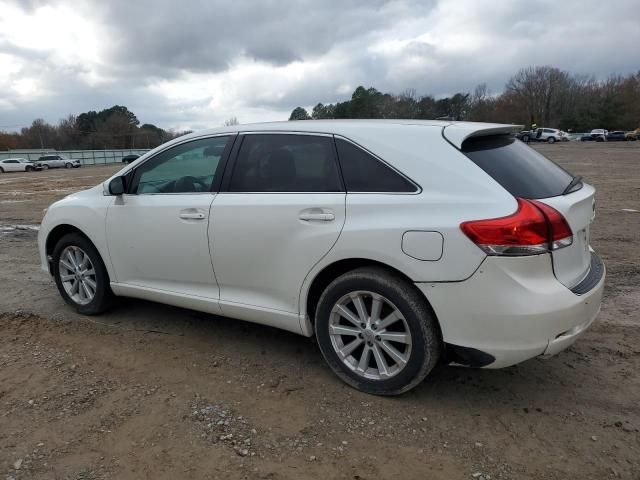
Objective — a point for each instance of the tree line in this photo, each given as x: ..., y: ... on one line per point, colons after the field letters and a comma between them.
x: 111, y: 128
x: 542, y: 95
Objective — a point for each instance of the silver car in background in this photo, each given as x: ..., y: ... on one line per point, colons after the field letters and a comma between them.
x: 57, y: 161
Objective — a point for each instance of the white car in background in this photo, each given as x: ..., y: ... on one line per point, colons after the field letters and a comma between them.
x: 398, y: 244
x: 58, y: 161
x: 549, y: 135
x: 18, y: 165
x: 599, y: 134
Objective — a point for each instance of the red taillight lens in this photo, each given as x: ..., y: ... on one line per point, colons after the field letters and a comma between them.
x: 531, y: 230
x: 561, y: 234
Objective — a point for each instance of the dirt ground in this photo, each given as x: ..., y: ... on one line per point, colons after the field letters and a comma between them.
x: 150, y: 391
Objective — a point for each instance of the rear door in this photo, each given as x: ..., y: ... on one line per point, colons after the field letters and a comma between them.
x: 525, y: 173
x: 281, y: 209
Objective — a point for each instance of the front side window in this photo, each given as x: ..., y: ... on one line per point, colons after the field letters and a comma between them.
x: 365, y: 173
x: 188, y: 168
x: 286, y: 163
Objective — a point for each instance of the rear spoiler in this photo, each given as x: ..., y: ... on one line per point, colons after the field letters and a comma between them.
x: 457, y: 133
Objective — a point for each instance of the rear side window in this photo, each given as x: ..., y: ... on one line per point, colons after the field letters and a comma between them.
x: 286, y: 163
x: 363, y: 172
x: 521, y: 170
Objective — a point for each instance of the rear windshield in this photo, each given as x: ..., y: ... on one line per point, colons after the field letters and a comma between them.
x: 521, y: 170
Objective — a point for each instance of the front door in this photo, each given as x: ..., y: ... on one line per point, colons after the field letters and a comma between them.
x: 157, y: 231
x: 11, y: 166
x: 281, y: 211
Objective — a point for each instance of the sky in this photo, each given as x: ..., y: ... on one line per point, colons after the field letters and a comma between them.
x: 192, y: 64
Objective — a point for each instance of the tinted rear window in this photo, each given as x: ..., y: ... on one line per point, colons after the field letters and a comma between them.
x: 521, y: 170
x: 286, y: 163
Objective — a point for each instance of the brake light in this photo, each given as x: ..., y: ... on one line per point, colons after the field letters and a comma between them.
x: 560, y: 231
x: 533, y: 229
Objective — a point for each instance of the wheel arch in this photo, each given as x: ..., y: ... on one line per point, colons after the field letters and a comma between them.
x: 63, y: 229
x: 332, y: 271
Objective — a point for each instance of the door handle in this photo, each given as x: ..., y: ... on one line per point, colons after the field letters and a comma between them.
x: 322, y: 217
x: 192, y: 216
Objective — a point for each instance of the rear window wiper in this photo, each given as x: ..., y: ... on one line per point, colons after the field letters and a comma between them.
x: 576, y: 181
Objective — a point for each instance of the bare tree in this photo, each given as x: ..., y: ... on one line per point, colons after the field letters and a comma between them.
x: 540, y: 90
x: 230, y: 122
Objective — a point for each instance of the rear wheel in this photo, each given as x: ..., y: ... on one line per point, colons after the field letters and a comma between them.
x: 377, y: 332
x: 1, y: 170
x: 29, y: 169
x: 551, y: 140
x: 80, y: 275
x: 45, y: 167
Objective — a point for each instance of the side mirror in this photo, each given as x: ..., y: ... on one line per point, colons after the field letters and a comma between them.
x: 116, y: 186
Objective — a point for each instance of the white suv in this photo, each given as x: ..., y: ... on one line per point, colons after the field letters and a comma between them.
x: 549, y: 135
x: 58, y: 161
x: 399, y: 244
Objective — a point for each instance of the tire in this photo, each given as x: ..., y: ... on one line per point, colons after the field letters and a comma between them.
x: 1, y: 170
x: 551, y: 140
x: 28, y: 169
x: 416, y: 323
x: 68, y: 165
x: 103, y: 297
x: 45, y: 167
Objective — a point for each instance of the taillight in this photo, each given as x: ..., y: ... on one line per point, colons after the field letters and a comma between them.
x: 559, y: 230
x: 533, y: 229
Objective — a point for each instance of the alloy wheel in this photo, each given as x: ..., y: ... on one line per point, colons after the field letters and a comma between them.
x: 77, y: 274
x: 370, y: 335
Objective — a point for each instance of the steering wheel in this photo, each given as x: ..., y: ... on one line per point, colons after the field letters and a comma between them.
x: 185, y: 184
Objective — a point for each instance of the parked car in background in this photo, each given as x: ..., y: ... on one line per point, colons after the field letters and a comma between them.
x: 633, y: 135
x: 18, y: 165
x: 599, y: 134
x: 58, y: 161
x: 324, y: 228
x: 549, y: 135
x: 616, y: 136
x: 130, y: 158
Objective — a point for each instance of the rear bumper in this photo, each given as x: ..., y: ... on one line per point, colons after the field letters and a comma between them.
x: 511, y: 310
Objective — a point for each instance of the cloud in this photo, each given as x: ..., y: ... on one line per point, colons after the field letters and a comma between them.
x: 191, y: 66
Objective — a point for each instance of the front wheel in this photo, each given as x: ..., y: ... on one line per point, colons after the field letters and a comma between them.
x: 80, y: 275
x: 68, y: 165
x: 377, y: 332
